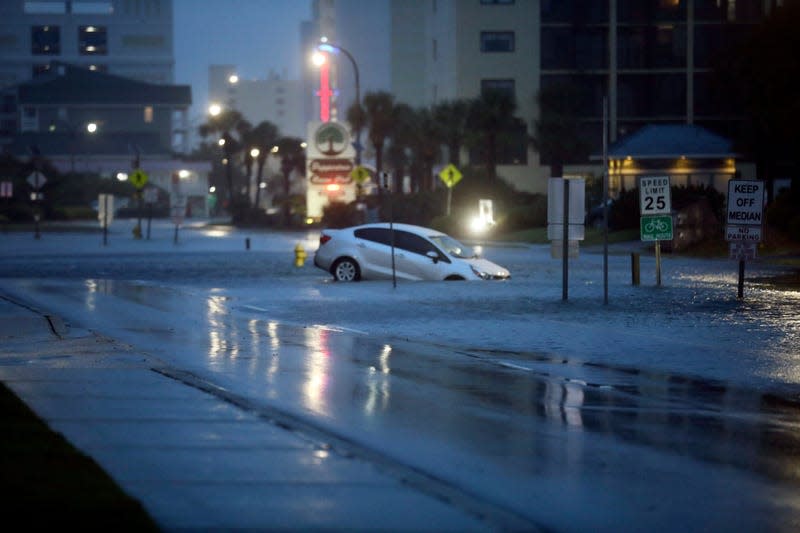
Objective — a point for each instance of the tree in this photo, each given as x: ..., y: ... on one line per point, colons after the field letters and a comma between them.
x: 293, y: 158
x: 452, y: 118
x: 402, y: 139
x: 557, y: 131
x: 426, y: 147
x: 225, y: 124
x: 264, y: 136
x: 490, y: 116
x: 378, y: 107
x: 758, y: 79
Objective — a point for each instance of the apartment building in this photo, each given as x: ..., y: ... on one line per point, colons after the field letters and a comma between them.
x: 275, y: 98
x: 650, y: 60
x: 130, y: 38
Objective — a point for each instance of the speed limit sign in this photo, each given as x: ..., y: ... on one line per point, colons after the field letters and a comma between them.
x: 654, y: 195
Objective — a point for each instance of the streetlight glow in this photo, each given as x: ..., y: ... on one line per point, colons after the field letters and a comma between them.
x: 254, y: 152
x: 214, y: 110
x: 91, y: 127
x: 221, y: 142
x: 233, y: 79
x: 318, y: 58
x: 325, y: 46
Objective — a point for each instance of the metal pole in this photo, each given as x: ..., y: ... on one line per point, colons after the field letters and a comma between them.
x: 658, y: 263
x: 740, y: 291
x: 605, y: 200
x: 105, y: 220
x: 565, y: 243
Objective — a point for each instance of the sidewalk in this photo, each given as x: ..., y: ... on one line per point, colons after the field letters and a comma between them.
x: 196, y: 458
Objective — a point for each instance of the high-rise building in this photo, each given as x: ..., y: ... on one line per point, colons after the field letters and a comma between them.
x: 130, y: 38
x: 275, y: 99
x: 651, y: 60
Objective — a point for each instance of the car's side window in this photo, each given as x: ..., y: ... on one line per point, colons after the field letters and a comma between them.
x: 413, y: 243
x: 378, y: 235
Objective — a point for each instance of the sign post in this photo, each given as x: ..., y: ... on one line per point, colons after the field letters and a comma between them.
x: 450, y: 176
x: 655, y: 199
x: 745, y: 215
x: 105, y: 213
x: 139, y: 179
x: 565, y: 205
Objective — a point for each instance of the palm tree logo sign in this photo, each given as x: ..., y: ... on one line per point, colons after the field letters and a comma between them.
x: 331, y: 139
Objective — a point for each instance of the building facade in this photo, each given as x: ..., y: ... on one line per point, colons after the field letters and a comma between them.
x: 649, y: 60
x: 275, y: 99
x: 131, y: 38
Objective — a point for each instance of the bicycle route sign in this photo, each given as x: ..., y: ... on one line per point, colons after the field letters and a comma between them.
x: 656, y: 228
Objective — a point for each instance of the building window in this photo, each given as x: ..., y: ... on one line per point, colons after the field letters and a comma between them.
x: 92, y: 8
x: 45, y: 40
x: 42, y: 7
x: 506, y: 86
x: 92, y: 40
x: 98, y: 68
x: 148, y: 114
x: 497, y: 41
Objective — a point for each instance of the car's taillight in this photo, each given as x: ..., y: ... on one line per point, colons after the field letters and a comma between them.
x: 324, y: 238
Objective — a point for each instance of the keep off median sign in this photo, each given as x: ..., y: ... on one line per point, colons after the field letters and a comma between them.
x: 745, y: 210
x: 745, y: 216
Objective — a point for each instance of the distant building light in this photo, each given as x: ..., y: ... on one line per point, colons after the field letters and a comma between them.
x: 122, y: 176
x: 183, y: 173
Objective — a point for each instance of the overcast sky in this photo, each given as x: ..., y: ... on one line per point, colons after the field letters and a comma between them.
x: 255, y: 35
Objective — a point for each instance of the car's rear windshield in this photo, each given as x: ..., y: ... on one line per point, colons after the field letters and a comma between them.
x: 452, y: 246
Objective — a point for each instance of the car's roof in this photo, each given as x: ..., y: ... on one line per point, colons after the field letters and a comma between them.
x: 405, y: 227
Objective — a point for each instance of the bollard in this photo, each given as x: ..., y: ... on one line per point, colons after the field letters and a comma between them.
x: 635, y: 269
x: 247, y: 243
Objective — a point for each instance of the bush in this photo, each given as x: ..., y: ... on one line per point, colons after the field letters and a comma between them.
x: 76, y: 212
x: 340, y: 215
x: 784, y: 214
x: 520, y: 217
x: 19, y: 212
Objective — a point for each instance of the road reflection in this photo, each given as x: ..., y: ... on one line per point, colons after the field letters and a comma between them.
x: 502, y: 410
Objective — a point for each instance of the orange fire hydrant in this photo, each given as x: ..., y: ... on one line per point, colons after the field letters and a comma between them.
x: 299, y: 255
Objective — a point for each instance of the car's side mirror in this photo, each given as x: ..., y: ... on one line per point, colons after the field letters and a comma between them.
x: 433, y: 255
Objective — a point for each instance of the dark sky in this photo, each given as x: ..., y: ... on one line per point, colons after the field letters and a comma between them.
x: 255, y: 35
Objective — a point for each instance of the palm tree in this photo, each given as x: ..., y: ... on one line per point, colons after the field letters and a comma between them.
x: 426, y: 147
x: 293, y: 158
x: 402, y: 139
x: 223, y: 124
x: 264, y: 136
x: 452, y: 118
x: 490, y: 116
x: 378, y: 120
x: 557, y: 131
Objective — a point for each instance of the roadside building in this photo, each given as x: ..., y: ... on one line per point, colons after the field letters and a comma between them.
x: 88, y: 121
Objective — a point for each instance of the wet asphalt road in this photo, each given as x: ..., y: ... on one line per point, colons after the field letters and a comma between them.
x: 572, y: 445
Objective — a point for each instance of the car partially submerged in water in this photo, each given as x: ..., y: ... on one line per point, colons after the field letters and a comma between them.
x: 365, y: 252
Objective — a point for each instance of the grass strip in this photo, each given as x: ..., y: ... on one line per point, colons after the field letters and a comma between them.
x: 47, y: 483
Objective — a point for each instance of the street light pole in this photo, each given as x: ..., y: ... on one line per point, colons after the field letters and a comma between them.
x: 330, y: 47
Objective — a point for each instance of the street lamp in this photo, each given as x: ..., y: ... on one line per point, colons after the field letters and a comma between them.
x: 327, y: 47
